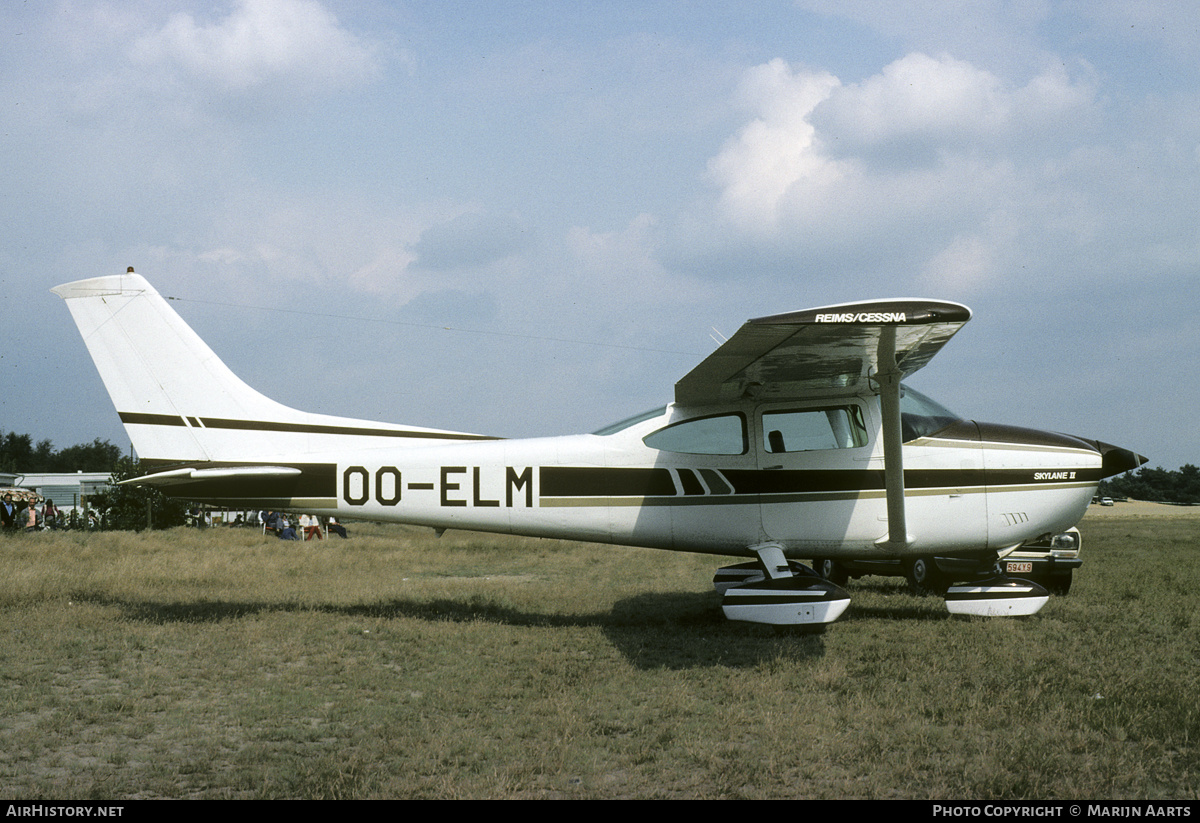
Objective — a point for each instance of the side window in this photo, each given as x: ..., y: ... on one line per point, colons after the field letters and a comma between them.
x: 721, y: 434
x: 840, y: 427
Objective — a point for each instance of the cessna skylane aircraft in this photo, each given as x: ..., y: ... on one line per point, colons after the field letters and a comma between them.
x: 795, y: 439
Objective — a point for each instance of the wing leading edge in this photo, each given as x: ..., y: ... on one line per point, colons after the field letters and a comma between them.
x: 826, y: 351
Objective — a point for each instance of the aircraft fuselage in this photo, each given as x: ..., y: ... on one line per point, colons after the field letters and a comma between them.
x: 969, y: 488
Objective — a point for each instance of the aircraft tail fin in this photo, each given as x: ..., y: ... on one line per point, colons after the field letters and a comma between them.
x: 180, y: 403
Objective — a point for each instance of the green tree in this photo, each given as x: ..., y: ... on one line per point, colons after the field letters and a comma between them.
x: 19, y: 454
x: 124, y: 507
x: 16, y: 452
x: 43, y: 457
x: 1156, y: 484
x: 97, y: 456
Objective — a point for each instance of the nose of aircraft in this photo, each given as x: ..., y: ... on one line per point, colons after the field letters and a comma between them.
x: 1116, y: 459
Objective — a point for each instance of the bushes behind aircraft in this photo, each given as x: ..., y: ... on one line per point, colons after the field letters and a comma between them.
x: 1158, y: 485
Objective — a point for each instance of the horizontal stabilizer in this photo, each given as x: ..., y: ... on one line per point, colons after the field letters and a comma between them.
x: 177, y: 476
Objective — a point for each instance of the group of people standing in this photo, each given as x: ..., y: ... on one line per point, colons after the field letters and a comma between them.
x: 30, y: 513
x: 27, y: 514
x: 313, y: 528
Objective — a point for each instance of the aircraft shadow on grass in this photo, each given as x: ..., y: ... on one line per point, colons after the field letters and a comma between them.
x: 675, y: 630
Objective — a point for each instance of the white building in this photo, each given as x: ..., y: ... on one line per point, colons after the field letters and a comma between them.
x: 68, y: 490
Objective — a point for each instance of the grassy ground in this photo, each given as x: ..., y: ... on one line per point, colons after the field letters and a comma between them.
x: 222, y: 664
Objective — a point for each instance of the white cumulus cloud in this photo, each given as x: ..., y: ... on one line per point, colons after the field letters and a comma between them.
x: 262, y: 43
x: 946, y: 103
x: 927, y: 162
x: 776, y: 150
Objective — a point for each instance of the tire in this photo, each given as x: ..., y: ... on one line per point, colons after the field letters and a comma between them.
x: 924, y: 577
x: 1058, y: 584
x: 831, y: 570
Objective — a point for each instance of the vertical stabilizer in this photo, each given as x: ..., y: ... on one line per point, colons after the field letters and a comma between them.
x: 180, y: 403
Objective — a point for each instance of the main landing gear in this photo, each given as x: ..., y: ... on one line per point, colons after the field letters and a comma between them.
x: 997, y: 596
x: 987, y: 592
x: 777, y: 591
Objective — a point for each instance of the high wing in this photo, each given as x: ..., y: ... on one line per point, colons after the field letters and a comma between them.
x: 826, y: 351
x: 851, y: 348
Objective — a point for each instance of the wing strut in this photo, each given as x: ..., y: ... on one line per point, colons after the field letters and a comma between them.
x: 888, y: 381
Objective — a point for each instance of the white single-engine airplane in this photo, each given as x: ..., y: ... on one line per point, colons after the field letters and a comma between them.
x: 793, y: 440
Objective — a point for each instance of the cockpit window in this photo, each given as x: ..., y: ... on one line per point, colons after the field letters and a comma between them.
x: 621, y: 425
x: 836, y: 427
x: 719, y: 434
x: 920, y: 416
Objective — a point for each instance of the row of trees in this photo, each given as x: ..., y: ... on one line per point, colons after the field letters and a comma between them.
x: 1159, y: 485
x: 18, y: 453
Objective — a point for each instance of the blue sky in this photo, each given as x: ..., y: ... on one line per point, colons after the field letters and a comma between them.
x: 529, y: 218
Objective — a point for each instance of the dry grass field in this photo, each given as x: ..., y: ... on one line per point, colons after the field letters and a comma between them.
x: 222, y: 664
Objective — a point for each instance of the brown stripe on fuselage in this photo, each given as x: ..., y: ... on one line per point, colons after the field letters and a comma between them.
x: 140, y: 418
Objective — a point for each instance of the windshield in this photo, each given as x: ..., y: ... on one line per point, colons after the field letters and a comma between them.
x: 621, y: 425
x: 920, y: 416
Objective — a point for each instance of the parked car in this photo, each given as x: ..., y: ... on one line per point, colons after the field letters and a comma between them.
x: 1049, y: 561
x: 1106, y: 501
